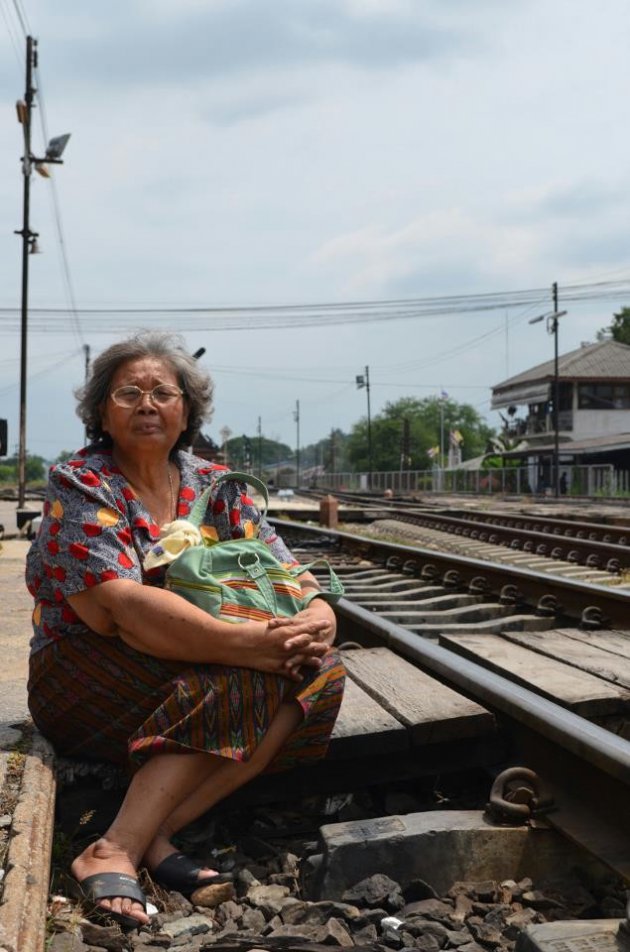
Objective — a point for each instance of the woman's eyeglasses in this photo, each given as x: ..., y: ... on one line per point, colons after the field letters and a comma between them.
x: 160, y: 396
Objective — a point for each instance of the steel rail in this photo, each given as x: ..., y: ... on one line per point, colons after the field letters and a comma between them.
x: 591, y: 544
x: 592, y: 552
x: 600, y: 747
x: 590, y: 806
x: 617, y: 534
x: 606, y: 607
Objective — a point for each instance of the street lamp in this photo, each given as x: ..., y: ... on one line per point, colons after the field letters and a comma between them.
x: 552, y: 328
x: 363, y: 380
x: 54, y: 151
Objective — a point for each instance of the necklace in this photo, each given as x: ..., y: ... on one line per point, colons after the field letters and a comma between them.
x: 171, y: 490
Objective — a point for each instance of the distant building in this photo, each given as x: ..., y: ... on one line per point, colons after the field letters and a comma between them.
x: 593, y: 408
x: 206, y: 448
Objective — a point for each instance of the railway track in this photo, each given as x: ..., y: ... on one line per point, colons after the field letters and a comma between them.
x: 598, y: 546
x: 546, y: 656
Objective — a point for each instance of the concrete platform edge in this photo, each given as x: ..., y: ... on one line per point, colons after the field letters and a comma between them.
x: 26, y: 885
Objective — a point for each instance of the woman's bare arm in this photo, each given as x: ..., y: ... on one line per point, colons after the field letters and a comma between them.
x: 161, y: 623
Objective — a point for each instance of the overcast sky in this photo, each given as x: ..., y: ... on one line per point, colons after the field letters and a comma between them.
x: 269, y: 152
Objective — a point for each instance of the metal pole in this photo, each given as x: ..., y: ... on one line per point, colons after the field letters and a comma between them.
x: 369, y: 422
x: 26, y: 247
x: 556, y: 395
x: 442, y: 460
x: 297, y: 449
x: 86, y: 351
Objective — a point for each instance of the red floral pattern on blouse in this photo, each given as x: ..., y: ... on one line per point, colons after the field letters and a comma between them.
x: 95, y: 529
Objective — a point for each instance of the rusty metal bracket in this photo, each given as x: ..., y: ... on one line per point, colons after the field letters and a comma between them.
x: 429, y: 572
x: 452, y: 580
x: 479, y: 585
x: 547, y: 606
x: 515, y: 797
x: 510, y: 595
x: 410, y: 567
x: 592, y: 618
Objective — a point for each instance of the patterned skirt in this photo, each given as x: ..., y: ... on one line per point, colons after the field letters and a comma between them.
x: 97, y: 698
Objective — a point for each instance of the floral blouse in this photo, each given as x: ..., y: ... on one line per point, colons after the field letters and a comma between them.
x: 95, y: 529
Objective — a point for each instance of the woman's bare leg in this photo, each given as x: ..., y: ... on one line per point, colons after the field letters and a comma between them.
x: 166, y: 793
x: 153, y: 794
x: 229, y: 776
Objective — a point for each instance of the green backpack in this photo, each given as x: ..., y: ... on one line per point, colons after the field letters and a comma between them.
x: 241, y: 579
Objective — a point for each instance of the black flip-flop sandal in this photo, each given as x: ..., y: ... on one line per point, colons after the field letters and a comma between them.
x: 182, y: 874
x: 112, y: 886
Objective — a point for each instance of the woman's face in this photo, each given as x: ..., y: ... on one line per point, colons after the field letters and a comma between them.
x: 147, y: 426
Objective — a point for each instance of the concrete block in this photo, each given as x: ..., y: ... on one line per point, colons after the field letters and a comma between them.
x: 595, y: 935
x: 441, y: 847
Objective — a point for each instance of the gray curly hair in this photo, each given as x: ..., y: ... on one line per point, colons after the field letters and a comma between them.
x: 197, y: 385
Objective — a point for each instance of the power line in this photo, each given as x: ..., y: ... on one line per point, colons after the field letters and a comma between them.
x: 21, y: 17
x: 325, y: 314
x: 44, y: 371
x: 12, y: 36
x: 65, y: 267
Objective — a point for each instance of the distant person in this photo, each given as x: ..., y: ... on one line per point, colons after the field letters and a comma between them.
x: 563, y: 484
x: 122, y: 669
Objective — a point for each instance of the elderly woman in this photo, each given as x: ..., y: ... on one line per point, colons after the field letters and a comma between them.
x: 125, y: 670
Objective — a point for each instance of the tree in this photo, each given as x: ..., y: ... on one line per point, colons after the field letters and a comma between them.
x: 248, y: 452
x: 619, y: 328
x: 36, y: 467
x: 429, y: 423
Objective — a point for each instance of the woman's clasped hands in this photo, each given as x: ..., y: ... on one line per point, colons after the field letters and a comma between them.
x: 306, y: 637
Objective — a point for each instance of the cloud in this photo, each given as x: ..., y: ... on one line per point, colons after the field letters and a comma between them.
x: 209, y: 40
x: 436, y: 249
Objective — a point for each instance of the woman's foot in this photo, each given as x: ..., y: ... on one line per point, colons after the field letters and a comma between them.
x: 180, y: 872
x: 99, y: 859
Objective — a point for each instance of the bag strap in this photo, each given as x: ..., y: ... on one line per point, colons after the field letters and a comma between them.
x: 335, y: 586
x: 198, y: 511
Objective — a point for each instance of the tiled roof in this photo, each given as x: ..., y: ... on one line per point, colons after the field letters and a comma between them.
x: 604, y: 360
x: 613, y: 441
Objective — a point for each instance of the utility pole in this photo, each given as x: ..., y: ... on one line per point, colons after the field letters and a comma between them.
x: 552, y: 328
x: 296, y: 417
x: 405, y: 445
x: 259, y: 447
x: 225, y: 433
x: 363, y: 381
x: 28, y: 237
x: 86, y: 352
x: 54, y: 151
x: 556, y: 393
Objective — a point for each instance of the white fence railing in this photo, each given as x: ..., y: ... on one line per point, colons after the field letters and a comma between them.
x: 602, y: 480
